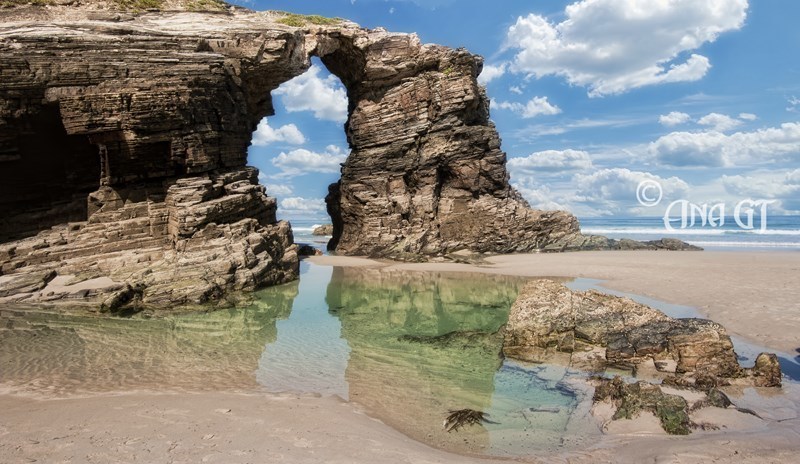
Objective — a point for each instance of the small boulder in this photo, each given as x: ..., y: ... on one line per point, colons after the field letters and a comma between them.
x: 307, y: 250
x: 767, y: 371
x: 326, y: 229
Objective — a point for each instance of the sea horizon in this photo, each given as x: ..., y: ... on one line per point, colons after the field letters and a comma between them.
x: 781, y: 234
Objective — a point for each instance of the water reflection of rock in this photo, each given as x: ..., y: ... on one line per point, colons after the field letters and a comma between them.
x: 65, y: 353
x: 422, y: 344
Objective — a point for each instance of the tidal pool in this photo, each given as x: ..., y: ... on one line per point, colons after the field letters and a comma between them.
x: 406, y: 346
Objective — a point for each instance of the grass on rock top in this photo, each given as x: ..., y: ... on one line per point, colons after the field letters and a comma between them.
x: 299, y: 20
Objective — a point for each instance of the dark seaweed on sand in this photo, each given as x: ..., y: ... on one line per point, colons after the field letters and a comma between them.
x: 461, y: 417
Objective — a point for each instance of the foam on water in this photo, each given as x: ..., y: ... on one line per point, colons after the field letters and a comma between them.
x: 781, y: 233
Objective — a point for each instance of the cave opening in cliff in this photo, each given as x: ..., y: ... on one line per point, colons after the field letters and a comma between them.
x: 300, y: 149
x: 45, y: 175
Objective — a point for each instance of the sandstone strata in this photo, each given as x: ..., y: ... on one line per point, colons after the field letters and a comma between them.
x: 594, y: 331
x: 123, y: 142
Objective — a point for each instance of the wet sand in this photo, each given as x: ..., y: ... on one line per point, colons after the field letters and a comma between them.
x: 754, y: 295
x: 248, y: 428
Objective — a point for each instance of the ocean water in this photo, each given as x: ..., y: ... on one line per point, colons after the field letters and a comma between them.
x: 782, y: 233
x: 302, y: 229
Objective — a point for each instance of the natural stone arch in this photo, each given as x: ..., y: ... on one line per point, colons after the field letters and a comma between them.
x: 169, y: 101
x: 426, y: 174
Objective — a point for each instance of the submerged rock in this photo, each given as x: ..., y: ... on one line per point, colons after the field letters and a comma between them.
x: 488, y: 342
x: 597, y: 331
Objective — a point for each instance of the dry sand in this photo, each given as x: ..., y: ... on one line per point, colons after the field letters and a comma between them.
x: 755, y: 295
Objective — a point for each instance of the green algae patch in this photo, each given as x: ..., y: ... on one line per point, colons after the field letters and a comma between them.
x: 632, y: 399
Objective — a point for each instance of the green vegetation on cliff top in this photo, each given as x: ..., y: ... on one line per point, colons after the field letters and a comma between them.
x: 299, y: 20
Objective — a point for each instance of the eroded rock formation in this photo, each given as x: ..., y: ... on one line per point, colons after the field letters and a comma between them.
x: 123, y: 144
x: 127, y: 135
x: 593, y: 331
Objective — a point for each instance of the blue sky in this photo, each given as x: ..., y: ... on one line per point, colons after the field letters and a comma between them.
x: 590, y: 98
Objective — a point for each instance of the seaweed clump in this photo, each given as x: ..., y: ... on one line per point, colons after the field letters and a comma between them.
x: 631, y: 399
x: 461, y: 417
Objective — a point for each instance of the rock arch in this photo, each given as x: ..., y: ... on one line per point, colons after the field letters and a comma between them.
x: 426, y: 174
x: 168, y: 102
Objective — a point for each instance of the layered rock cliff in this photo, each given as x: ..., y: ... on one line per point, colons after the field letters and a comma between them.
x: 123, y: 142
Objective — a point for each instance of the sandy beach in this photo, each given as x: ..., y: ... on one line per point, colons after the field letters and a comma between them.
x: 754, y: 295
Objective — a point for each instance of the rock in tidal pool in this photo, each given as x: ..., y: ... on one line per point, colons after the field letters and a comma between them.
x: 594, y: 331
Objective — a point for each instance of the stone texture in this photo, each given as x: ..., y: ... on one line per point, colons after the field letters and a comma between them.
x: 595, y: 331
x: 326, y: 229
x: 123, y: 144
x: 426, y: 174
x: 25, y: 283
x: 767, y: 371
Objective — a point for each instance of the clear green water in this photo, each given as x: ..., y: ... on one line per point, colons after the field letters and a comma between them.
x: 407, y: 347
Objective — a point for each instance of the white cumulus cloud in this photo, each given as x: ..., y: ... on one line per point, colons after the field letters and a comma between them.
x: 719, y: 122
x: 325, y: 97
x: 715, y: 149
x: 299, y: 205
x: 747, y: 116
x: 492, y: 72
x: 612, y: 46
x: 674, y: 118
x: 302, y: 161
x: 265, y: 134
x: 537, y: 106
x: 273, y: 189
x: 551, y: 161
x: 613, y: 191
x: 542, y: 197
x: 768, y: 185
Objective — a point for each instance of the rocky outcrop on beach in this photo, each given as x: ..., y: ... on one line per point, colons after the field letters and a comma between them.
x: 123, y: 144
x: 124, y: 135
x: 683, y: 361
x: 326, y: 229
x: 594, y: 331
